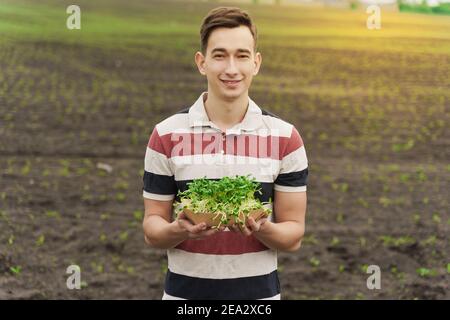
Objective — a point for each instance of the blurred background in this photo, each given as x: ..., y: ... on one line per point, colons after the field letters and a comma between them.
x: 77, y: 108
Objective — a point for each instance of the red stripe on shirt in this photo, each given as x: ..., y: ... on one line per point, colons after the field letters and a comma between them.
x: 226, y: 242
x: 186, y: 144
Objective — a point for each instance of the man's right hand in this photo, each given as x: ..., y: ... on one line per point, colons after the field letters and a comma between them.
x: 196, y: 231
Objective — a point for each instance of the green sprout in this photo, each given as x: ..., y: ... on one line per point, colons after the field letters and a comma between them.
x: 16, y: 270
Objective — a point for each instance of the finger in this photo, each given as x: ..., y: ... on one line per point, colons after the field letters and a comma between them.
x: 197, y: 227
x: 203, y: 234
x: 262, y: 221
x: 252, y: 224
x: 185, y: 224
x: 209, y: 232
x: 244, y: 229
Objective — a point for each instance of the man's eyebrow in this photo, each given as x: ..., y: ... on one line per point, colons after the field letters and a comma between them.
x: 224, y: 50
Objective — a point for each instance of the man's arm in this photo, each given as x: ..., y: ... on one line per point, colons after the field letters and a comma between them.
x: 161, y: 232
x: 287, y: 232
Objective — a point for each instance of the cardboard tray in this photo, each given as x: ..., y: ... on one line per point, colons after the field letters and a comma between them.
x: 208, y: 217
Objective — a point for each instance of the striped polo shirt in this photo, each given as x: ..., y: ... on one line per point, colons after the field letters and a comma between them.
x: 188, y: 146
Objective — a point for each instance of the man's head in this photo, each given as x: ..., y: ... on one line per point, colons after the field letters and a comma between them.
x: 228, y: 56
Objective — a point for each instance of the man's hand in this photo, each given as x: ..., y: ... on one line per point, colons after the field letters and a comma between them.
x: 250, y: 226
x: 196, y: 231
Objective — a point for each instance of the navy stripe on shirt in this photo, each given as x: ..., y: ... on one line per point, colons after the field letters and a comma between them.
x: 160, y: 184
x: 257, y: 287
x: 293, y: 179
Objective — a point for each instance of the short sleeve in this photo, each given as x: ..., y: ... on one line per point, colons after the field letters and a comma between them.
x: 159, y: 180
x: 294, y: 165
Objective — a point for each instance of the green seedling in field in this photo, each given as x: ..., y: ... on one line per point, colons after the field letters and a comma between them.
x: 404, y: 177
x: 26, y: 168
x: 53, y: 214
x: 16, y: 270
x: 309, y: 239
x: 343, y: 187
x: 65, y: 170
x: 130, y: 270
x: 359, y: 296
x: 402, y: 147
x: 362, y: 241
x: 121, y: 185
x: 314, y: 262
x: 4, y: 215
x: 399, y: 275
x: 124, y: 174
x: 416, y: 218
x: 138, y: 215
x: 340, y: 218
x: 436, y: 218
x: 123, y: 236
x: 105, y: 216
x: 97, y: 267
x: 40, y: 240
x: 82, y: 171
x: 361, y: 201
x: 102, y: 237
x: 120, y: 197
x: 134, y: 138
x: 425, y: 272
x: 430, y: 241
x: 420, y: 175
x: 335, y: 241
x: 397, y: 242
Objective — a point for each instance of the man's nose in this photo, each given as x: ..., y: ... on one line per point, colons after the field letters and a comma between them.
x: 231, y: 67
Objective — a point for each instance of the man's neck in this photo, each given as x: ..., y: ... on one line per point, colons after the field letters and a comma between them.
x: 225, y: 114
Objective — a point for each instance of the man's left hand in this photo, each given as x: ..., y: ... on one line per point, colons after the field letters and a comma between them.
x: 250, y: 226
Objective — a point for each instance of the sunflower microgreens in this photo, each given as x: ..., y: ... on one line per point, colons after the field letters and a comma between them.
x: 227, y: 197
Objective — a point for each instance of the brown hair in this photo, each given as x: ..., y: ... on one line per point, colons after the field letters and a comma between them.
x: 225, y: 17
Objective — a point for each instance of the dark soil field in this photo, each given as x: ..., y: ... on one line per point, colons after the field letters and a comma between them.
x: 77, y: 108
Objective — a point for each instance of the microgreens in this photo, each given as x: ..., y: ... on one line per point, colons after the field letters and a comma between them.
x: 227, y: 197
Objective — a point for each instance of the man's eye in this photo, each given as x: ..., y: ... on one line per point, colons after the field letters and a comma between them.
x: 243, y: 56
x: 218, y: 56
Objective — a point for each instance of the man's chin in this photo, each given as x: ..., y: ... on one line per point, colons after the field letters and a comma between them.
x: 232, y: 95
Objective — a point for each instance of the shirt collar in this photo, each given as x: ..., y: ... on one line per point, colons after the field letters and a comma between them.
x: 199, y: 118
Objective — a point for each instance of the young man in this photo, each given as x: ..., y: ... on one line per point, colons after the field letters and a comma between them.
x: 240, y: 263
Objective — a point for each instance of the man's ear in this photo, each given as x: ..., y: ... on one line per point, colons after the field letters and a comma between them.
x: 258, y: 61
x: 200, y: 62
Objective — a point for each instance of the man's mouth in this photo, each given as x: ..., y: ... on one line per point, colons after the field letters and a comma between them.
x: 231, y: 82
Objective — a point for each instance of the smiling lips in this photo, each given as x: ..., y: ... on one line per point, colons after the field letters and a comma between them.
x: 231, y: 83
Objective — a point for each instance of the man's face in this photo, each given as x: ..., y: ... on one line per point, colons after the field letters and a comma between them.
x: 230, y: 62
